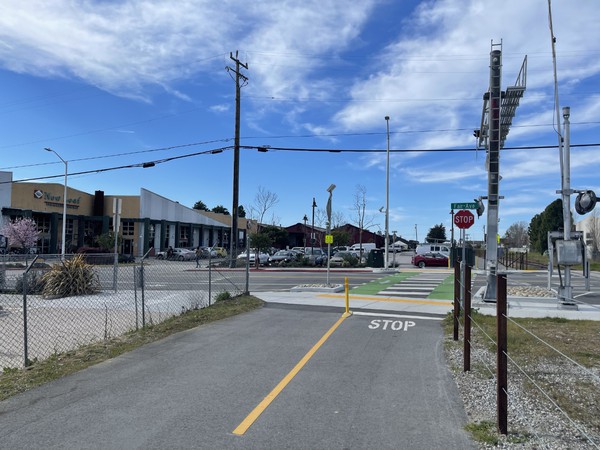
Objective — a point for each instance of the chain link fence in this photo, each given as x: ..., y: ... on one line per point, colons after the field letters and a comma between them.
x: 34, y: 326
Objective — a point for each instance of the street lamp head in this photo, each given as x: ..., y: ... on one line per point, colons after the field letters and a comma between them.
x: 382, y: 209
x: 48, y: 149
x: 387, y: 117
x: 331, y: 188
x: 305, y: 218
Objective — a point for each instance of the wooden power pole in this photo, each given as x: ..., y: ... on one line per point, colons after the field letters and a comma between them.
x: 239, y: 78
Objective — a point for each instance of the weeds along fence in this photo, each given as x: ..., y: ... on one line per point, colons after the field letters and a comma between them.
x: 48, y: 306
x: 539, y: 388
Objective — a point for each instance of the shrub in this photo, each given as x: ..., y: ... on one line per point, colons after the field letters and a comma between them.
x: 35, y: 283
x: 222, y: 296
x: 72, y: 277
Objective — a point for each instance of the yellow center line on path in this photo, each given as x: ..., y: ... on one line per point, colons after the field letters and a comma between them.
x: 391, y: 299
x: 256, y: 412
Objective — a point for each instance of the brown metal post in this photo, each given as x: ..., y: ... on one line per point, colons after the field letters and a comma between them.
x: 456, y: 313
x: 501, y: 356
x: 467, y: 320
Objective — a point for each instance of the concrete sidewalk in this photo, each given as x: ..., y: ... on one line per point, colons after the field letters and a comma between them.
x: 517, y: 306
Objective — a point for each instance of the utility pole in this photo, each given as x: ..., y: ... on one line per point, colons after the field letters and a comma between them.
x: 491, y: 243
x: 498, y: 111
x: 233, y: 241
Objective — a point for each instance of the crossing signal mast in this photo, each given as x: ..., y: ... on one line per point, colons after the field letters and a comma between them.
x: 499, y: 109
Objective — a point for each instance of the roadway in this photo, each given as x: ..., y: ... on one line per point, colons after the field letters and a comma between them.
x: 331, y: 382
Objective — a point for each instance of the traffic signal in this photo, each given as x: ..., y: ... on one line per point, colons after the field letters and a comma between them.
x: 585, y: 202
x: 480, y: 207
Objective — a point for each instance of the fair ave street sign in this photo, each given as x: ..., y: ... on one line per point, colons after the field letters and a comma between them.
x: 464, y: 219
x: 466, y: 205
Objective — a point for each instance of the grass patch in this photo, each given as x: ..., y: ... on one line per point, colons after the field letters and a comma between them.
x: 376, y: 286
x: 484, y: 431
x: 444, y: 290
x: 14, y: 381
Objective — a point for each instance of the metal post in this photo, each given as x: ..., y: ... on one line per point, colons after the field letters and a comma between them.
x: 467, y: 341
x: 387, y: 194
x: 312, y: 233
x: 328, y: 209
x: 565, y: 292
x: 64, y: 215
x: 456, y: 312
x: 491, y: 252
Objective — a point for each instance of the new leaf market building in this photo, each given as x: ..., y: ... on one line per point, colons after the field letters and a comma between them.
x: 146, y: 221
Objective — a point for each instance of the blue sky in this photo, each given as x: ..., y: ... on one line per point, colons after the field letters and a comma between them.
x: 112, y: 83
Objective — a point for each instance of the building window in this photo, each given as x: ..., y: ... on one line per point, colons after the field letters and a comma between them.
x: 43, y: 223
x: 151, y: 232
x: 128, y: 228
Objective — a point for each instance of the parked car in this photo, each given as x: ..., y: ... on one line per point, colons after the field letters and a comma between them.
x: 221, y: 252
x: 429, y: 259
x: 298, y: 249
x: 283, y: 256
x: 343, y: 259
x: 183, y: 254
x: 263, y: 258
x: 315, y: 256
x: 433, y: 248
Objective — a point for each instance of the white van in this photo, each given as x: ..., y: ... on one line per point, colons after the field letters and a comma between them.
x: 435, y: 248
x: 366, y: 247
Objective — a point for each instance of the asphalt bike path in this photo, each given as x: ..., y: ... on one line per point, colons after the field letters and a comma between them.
x: 330, y: 381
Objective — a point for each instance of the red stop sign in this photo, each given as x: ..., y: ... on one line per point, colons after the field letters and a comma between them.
x: 464, y: 219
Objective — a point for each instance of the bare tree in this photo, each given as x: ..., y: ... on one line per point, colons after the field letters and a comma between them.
x: 263, y: 201
x: 593, y: 234
x: 516, y: 235
x: 362, y: 221
x: 337, y: 219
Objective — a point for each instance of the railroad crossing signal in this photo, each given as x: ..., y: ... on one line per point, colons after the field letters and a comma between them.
x: 464, y: 219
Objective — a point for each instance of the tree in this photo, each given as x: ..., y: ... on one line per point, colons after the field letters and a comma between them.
x: 241, y: 211
x: 516, y: 235
x: 551, y: 219
x: 437, y: 233
x: 360, y: 207
x: 106, y: 241
x: 201, y: 206
x: 263, y: 201
x: 220, y: 209
x: 260, y: 241
x: 21, y: 232
x: 340, y: 237
x: 279, y: 237
x: 593, y: 234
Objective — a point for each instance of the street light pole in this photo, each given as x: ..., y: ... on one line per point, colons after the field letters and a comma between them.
x: 387, y: 193
x: 64, y: 219
x: 328, y: 208
x: 312, y: 233
x: 305, y: 219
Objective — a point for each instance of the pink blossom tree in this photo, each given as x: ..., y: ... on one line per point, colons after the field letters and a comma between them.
x: 21, y: 232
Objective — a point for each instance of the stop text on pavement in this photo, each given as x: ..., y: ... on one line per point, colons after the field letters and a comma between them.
x: 393, y: 325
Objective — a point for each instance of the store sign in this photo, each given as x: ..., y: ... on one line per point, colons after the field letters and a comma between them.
x: 56, y: 200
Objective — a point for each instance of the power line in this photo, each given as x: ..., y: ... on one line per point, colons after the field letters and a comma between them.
x: 148, y: 164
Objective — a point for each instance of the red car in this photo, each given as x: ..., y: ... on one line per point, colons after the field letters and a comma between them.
x: 429, y: 259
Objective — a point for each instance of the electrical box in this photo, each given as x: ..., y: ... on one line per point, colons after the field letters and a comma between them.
x: 568, y: 253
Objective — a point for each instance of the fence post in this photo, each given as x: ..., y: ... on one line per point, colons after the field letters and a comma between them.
x: 135, y: 286
x: 143, y: 294
x: 456, y: 313
x: 501, y: 355
x: 467, y: 320
x: 209, y: 284
x: 25, y: 343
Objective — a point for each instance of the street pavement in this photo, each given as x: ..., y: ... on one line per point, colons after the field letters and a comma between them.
x: 411, y: 298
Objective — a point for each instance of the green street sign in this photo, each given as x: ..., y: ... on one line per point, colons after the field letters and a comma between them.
x: 466, y: 205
